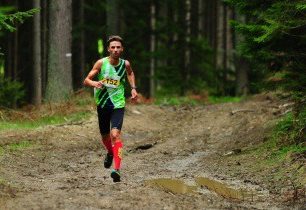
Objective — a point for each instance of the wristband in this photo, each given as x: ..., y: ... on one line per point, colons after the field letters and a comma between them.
x: 133, y: 87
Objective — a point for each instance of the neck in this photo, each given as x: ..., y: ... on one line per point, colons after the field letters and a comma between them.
x: 113, y: 61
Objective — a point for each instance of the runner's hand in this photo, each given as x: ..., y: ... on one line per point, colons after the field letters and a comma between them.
x: 134, y: 94
x: 97, y: 84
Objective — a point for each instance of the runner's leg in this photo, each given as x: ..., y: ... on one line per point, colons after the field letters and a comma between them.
x: 107, y: 143
x: 104, y: 116
x: 116, y: 125
x: 117, y: 149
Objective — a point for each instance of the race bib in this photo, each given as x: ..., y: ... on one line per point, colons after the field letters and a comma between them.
x: 111, y: 82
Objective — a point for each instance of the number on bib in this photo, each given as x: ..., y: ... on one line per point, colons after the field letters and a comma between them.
x: 112, y: 83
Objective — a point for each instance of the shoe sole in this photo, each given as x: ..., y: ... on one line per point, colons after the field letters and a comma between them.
x: 115, y: 176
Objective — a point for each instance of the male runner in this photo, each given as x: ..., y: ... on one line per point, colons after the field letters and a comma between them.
x: 110, y: 73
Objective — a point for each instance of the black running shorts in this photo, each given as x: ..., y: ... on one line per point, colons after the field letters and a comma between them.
x: 109, y: 118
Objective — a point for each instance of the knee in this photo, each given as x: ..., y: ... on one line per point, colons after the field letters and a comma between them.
x: 115, y: 135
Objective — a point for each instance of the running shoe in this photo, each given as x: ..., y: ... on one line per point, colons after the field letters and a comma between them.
x: 115, y: 175
x: 108, y: 160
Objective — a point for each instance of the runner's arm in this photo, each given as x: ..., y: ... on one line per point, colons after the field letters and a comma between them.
x: 131, y: 78
x: 93, y: 72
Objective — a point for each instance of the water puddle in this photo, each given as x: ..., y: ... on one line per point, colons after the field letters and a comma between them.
x: 179, y: 187
x: 224, y: 190
x: 172, y: 185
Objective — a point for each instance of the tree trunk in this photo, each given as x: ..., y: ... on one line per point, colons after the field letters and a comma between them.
x: 152, y: 49
x: 44, y: 41
x: 214, y: 31
x: 242, y: 80
x: 200, y: 19
x: 208, y: 9
x: 82, y: 45
x: 242, y: 67
x: 36, y: 98
x: 230, y: 40
x: 220, y: 46
x: 9, y: 57
x: 59, y: 85
x: 78, y: 45
x: 220, y: 38
x: 224, y: 42
x: 112, y: 17
x: 176, y: 21
x: 187, y: 46
x: 15, y: 56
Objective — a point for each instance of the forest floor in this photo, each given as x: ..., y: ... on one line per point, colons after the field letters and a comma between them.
x: 176, y: 157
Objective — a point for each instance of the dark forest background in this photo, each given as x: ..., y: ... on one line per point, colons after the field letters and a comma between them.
x: 176, y: 47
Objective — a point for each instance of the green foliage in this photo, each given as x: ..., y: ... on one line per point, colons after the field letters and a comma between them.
x: 268, y: 31
x: 189, y: 100
x: 301, y: 6
x: 291, y: 149
x: 84, y: 101
x: 176, y: 101
x: 281, y: 146
x: 289, y: 135
x: 171, y: 77
x: 100, y: 47
x: 1, y: 64
x: 275, y: 45
x: 11, y: 93
x: 19, y: 146
x: 13, y: 147
x: 203, y: 76
x: 7, y: 21
x: 43, y: 121
x: 170, y: 71
x: 224, y: 99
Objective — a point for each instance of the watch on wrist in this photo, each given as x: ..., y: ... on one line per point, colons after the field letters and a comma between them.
x: 133, y: 87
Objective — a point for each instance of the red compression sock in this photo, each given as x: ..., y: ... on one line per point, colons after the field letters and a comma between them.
x: 108, y: 145
x: 117, y: 150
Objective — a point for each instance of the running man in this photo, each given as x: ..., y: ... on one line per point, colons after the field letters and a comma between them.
x: 108, y: 79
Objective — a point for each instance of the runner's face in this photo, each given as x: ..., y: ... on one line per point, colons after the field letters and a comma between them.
x: 115, y: 49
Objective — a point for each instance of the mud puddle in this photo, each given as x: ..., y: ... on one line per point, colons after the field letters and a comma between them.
x: 226, y: 191
x: 221, y: 189
x: 172, y: 185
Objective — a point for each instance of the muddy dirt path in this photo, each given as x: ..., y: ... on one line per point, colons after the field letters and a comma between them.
x: 62, y: 169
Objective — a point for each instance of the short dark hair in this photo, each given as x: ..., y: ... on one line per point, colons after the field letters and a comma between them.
x: 114, y: 38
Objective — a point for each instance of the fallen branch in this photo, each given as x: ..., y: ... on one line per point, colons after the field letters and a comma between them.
x: 145, y: 146
x: 71, y: 123
x: 241, y: 110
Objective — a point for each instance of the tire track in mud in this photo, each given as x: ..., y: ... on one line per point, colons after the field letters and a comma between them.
x: 63, y: 170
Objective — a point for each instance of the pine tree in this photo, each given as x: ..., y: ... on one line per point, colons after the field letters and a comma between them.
x: 8, y: 21
x: 275, y: 42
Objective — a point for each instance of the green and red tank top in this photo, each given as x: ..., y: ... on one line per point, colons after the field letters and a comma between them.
x: 113, y: 79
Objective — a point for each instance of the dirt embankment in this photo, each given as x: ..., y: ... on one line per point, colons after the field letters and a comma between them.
x: 62, y: 168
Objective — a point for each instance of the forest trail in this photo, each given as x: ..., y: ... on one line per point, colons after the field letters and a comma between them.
x: 63, y: 169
